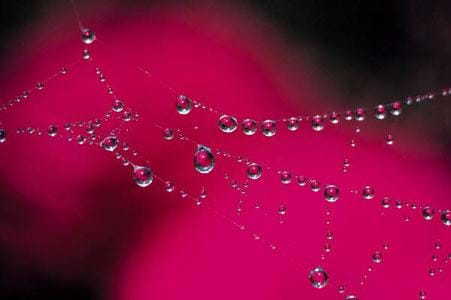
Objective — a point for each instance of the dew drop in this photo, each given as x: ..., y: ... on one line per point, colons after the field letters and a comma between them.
x: 331, y: 193
x: 143, y: 176
x: 168, y: 134
x: 52, y: 130
x: 285, y: 177
x: 203, y: 160
x: 301, y: 180
x: 334, y: 118
x: 183, y: 104
x: 386, y: 202
x: 315, y: 185
x: 254, y: 171
x: 227, y: 123
x: 169, y: 186
x: 109, y: 143
x: 360, y: 114
x: 118, y: 106
x: 293, y: 124
x: 422, y: 295
x: 377, y: 257
x: 88, y: 36
x: 86, y: 54
x: 317, y: 123
x: 380, y: 112
x: 318, y: 278
x: 348, y: 115
x: 2, y: 135
x: 63, y: 71
x: 351, y: 297
x: 428, y: 213
x: 282, y: 210
x: 40, y: 86
x: 249, y: 126
x: 341, y: 289
x: 368, y: 192
x: 396, y: 108
x: 389, y: 139
x: 269, y: 128
x: 446, y: 217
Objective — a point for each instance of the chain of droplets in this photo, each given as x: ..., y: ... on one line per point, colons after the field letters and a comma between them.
x: 143, y: 175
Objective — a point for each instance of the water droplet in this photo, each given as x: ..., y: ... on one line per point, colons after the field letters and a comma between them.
x: 317, y: 123
x: 109, y: 143
x: 293, y: 124
x: 331, y: 193
x: 126, y: 116
x: 81, y: 139
x: 396, y: 108
x: 40, y: 86
x: 183, y: 104
x: 368, y: 192
x: 2, y: 135
x: 348, y: 115
x: 318, y: 278
x: 334, y: 118
x: 446, y: 217
x: 431, y: 272
x: 422, y: 295
x: 227, y: 123
x: 52, y: 130
x: 285, y: 177
x: 143, y: 176
x: 169, y: 186
x: 301, y: 180
x: 203, y: 160
x: 386, y: 202
x: 63, y: 71
x: 86, y: 54
x: 254, y: 171
x: 428, y: 213
x: 341, y: 289
x: 203, y: 193
x: 269, y: 128
x: 315, y: 185
x: 282, y: 210
x: 351, y: 297
x: 360, y: 114
x: 380, y: 112
x: 118, y: 106
x: 249, y: 126
x: 330, y: 235
x: 377, y: 257
x: 88, y: 36
x: 389, y: 139
x: 168, y: 134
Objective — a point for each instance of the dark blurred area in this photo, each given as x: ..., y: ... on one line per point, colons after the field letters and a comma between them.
x: 385, y: 48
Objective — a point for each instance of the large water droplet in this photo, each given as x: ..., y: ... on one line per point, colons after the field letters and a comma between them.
x: 109, y: 143
x: 2, y: 135
x: 227, y: 123
x: 143, y: 176
x: 249, y: 126
x: 331, y: 193
x: 269, y: 128
x: 88, y: 36
x: 446, y: 217
x: 203, y: 159
x: 318, y: 278
x: 183, y: 104
x: 254, y: 171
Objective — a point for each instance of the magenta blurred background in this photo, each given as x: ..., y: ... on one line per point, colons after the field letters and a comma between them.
x: 74, y: 225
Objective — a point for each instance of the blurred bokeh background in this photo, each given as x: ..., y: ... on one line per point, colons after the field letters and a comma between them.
x: 372, y: 51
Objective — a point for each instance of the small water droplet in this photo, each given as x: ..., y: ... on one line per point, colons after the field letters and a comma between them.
x: 168, y: 134
x: 315, y: 185
x: 334, y: 118
x: 86, y: 54
x: 386, y: 202
x: 2, y: 135
x: 143, y: 176
x: 249, y: 126
x: 52, y: 130
x: 389, y: 139
x: 428, y: 213
x: 380, y: 112
x: 318, y: 123
x: 377, y: 257
x: 40, y: 86
x: 360, y: 114
x: 254, y: 171
x: 109, y: 143
x: 285, y: 177
x: 227, y: 123
x: 446, y: 217
x: 269, y: 128
x: 422, y: 295
x: 318, y: 278
x: 293, y: 124
x: 169, y: 186
x: 118, y: 106
x: 331, y: 193
x: 88, y: 36
x: 203, y: 159
x: 368, y: 192
x: 396, y: 108
x: 183, y: 104
x: 301, y: 180
x: 282, y: 210
x: 351, y: 297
